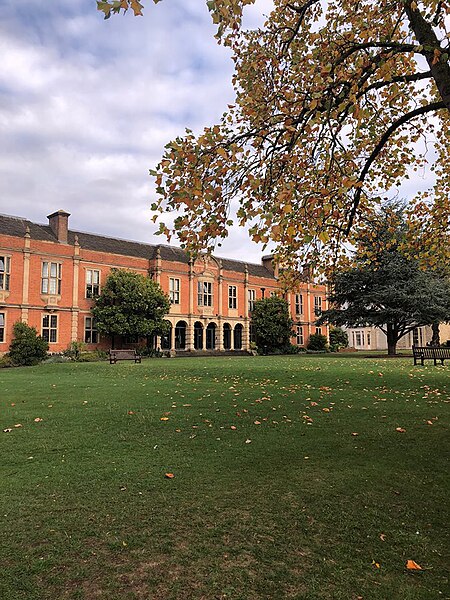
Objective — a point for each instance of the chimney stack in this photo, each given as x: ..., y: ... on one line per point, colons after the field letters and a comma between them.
x: 59, y: 223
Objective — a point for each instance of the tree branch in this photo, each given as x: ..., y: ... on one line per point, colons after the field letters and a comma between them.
x: 376, y: 151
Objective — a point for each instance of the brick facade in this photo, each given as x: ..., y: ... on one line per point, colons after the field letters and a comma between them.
x: 48, y: 272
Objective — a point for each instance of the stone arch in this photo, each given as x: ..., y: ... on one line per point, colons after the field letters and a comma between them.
x: 238, y: 330
x: 227, y: 336
x: 180, y: 335
x: 211, y: 336
x: 166, y: 338
x: 198, y: 335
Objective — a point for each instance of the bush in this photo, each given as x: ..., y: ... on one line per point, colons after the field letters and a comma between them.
x: 5, y: 362
x: 73, y: 352
x: 94, y: 356
x: 317, y: 342
x: 338, y: 339
x: 27, y: 347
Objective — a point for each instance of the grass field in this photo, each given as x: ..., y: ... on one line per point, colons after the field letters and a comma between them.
x: 273, y: 496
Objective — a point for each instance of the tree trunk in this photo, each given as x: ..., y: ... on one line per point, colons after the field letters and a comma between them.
x: 112, y: 342
x: 391, y: 340
x: 434, y: 53
x: 435, y: 339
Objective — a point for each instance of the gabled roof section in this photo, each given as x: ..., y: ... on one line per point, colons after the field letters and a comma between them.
x: 17, y: 227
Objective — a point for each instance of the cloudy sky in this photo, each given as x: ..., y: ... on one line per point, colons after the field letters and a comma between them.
x: 87, y: 105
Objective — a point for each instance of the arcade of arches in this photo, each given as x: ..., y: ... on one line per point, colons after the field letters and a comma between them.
x: 203, y: 336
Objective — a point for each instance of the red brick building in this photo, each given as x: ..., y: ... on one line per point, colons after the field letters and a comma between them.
x: 49, y: 275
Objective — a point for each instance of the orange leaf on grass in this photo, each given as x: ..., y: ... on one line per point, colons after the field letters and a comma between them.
x: 164, y: 418
x: 400, y: 429
x: 169, y: 475
x: 413, y: 566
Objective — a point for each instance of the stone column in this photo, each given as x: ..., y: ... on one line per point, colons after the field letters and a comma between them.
x: 158, y: 268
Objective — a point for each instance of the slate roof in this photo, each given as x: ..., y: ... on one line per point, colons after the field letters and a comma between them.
x: 16, y: 227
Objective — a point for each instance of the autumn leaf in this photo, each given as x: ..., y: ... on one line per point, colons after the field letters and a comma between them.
x: 413, y: 566
x: 169, y: 475
x: 37, y: 420
x: 400, y: 429
x: 164, y: 418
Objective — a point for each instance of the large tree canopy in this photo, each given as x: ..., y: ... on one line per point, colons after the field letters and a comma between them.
x: 337, y: 102
x: 386, y: 288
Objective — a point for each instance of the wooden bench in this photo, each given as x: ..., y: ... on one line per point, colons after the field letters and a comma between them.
x: 115, y: 355
x: 434, y: 353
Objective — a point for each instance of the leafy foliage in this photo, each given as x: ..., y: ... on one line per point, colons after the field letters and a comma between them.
x: 130, y: 304
x: 27, y: 347
x: 386, y: 288
x: 332, y: 99
x: 317, y: 342
x: 272, y: 324
x: 338, y: 339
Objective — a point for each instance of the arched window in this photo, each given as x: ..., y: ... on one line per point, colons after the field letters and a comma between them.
x: 198, y: 336
x: 238, y: 337
x: 211, y: 336
x: 227, y: 336
x: 180, y: 335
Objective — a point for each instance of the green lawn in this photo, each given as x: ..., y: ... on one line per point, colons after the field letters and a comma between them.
x: 273, y: 495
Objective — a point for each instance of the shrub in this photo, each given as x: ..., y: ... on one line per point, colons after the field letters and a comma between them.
x: 5, y: 362
x: 338, y: 339
x: 27, y: 347
x: 318, y: 342
x: 73, y: 352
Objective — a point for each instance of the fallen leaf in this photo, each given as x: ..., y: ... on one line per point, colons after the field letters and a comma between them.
x: 37, y: 420
x: 355, y: 434
x: 377, y: 565
x: 383, y: 537
x: 7, y: 430
x: 164, y: 418
x: 413, y: 566
x: 233, y: 427
x: 257, y: 422
x: 326, y: 409
x: 131, y: 412
x: 429, y: 422
x: 169, y: 475
x: 248, y: 441
x: 18, y: 425
x: 400, y: 429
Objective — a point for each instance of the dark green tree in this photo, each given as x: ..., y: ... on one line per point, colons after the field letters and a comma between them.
x: 338, y: 339
x: 393, y: 294
x: 317, y: 342
x: 27, y: 347
x: 272, y: 323
x: 130, y: 304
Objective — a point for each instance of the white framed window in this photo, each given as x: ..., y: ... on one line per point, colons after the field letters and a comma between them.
x: 51, y: 278
x: 298, y: 304
x: 299, y: 335
x: 232, y: 296
x: 50, y: 328
x: 319, y: 330
x: 318, y: 305
x: 90, y: 330
x: 204, y: 295
x: 92, y: 283
x: 2, y: 326
x: 174, y: 290
x: 5, y: 271
x: 251, y: 300
x: 359, y: 338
